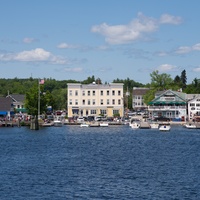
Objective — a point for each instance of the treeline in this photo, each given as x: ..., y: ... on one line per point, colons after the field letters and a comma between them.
x: 58, y: 89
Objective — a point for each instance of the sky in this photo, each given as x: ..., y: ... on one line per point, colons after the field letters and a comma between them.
x: 110, y: 39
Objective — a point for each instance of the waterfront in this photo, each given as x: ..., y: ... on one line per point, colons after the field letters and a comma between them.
x: 116, y: 162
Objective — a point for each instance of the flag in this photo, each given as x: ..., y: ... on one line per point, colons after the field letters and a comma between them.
x: 41, y: 81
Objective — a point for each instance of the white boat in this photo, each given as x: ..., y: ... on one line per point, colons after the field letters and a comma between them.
x: 103, y: 124
x: 154, y: 125
x: 164, y: 127
x: 190, y: 126
x: 47, y: 124
x: 58, y: 122
x: 135, y: 125
x: 84, y: 124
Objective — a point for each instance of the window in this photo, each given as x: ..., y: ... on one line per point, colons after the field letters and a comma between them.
x: 103, y: 112
x: 88, y: 93
x: 113, y: 101
x: 108, y: 92
x: 93, y: 92
x: 83, y: 101
x: 101, y: 101
x: 88, y: 101
x: 76, y: 93
x: 70, y: 102
x: 76, y: 101
x: 119, y: 101
x: 192, y: 104
x: 70, y: 93
x: 197, y: 105
x: 83, y: 92
x: 101, y: 92
x: 115, y: 112
x: 108, y: 101
x: 119, y: 92
x: 113, y: 92
x: 93, y: 102
x: 93, y: 112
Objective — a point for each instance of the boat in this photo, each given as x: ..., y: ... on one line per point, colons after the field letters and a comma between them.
x: 103, y: 124
x: 47, y: 124
x: 190, y: 126
x: 154, y: 125
x: 58, y: 122
x: 84, y: 124
x: 135, y: 125
x: 94, y: 124
x: 164, y: 127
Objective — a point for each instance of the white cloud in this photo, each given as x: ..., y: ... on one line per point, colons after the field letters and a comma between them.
x: 75, y: 70
x: 169, y: 19
x: 167, y: 67
x: 35, y: 55
x: 66, y: 46
x: 162, y: 53
x: 135, y: 30
x: 28, y: 40
x: 197, y: 69
x: 188, y: 49
x: 196, y: 47
x: 183, y: 50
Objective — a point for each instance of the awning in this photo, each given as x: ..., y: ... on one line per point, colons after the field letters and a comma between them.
x: 3, y: 113
x: 21, y: 110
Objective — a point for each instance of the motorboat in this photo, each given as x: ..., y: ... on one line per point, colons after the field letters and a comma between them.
x: 190, y: 126
x: 103, y: 124
x: 135, y: 125
x: 164, y: 127
x: 84, y: 124
x: 58, y: 122
x: 154, y: 125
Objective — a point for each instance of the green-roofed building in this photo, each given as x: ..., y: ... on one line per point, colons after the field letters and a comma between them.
x: 168, y: 103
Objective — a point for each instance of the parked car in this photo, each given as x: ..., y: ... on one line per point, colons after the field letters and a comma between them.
x: 162, y: 119
x: 80, y: 119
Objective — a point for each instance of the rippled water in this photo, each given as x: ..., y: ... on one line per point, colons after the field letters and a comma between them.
x: 116, y: 162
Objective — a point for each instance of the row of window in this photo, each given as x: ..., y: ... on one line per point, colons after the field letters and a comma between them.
x: 89, y: 93
x: 93, y: 102
x: 94, y: 112
x: 138, y: 104
x: 193, y: 104
x: 138, y: 97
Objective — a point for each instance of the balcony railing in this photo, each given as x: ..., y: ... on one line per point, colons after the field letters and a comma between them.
x: 166, y: 107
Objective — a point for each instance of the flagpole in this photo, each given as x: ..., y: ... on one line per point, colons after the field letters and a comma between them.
x: 38, y: 97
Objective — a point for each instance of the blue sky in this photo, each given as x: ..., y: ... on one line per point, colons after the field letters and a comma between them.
x: 110, y: 39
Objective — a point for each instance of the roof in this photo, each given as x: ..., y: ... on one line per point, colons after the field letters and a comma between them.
x: 140, y: 91
x: 17, y: 97
x: 5, y: 104
x: 167, y: 97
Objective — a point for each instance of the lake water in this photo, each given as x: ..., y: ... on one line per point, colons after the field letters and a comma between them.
x: 115, y: 162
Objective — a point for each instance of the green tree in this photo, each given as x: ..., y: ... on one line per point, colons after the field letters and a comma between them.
x: 31, y: 100
x: 160, y: 82
x: 183, y: 79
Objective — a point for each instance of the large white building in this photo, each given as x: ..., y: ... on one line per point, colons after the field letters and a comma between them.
x: 95, y: 99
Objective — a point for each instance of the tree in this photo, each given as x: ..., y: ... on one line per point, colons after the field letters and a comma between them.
x: 183, y: 79
x: 31, y: 101
x: 160, y: 82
